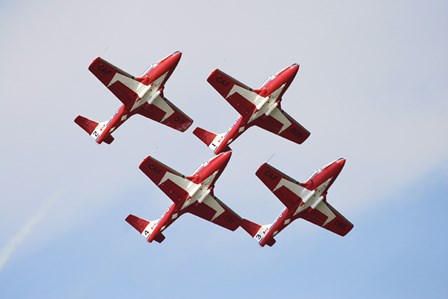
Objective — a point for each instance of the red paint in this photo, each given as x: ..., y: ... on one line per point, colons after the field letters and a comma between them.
x: 105, y: 72
x: 271, y: 177
x: 224, y: 83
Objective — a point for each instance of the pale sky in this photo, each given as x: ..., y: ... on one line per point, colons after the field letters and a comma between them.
x: 372, y: 88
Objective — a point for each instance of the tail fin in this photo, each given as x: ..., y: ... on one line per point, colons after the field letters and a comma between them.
x: 144, y: 227
x: 108, y: 139
x: 86, y: 124
x: 91, y: 126
x: 250, y: 227
x: 212, y: 140
x: 257, y: 231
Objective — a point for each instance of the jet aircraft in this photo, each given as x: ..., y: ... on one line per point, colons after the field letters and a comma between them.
x: 192, y: 194
x: 260, y: 107
x: 302, y: 200
x: 142, y: 95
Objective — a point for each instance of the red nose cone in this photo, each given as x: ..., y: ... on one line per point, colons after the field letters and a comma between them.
x: 339, y: 164
x: 175, y: 57
x: 225, y: 157
x: 171, y: 61
x: 291, y: 71
x: 295, y: 67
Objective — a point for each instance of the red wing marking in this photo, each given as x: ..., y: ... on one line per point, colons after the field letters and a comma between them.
x: 281, y: 123
x: 328, y: 217
x: 105, y: 72
x: 271, y: 177
x: 165, y: 112
x: 171, y: 182
x: 215, y: 211
x: 228, y: 88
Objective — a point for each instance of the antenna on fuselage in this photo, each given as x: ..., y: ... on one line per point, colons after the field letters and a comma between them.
x: 154, y: 150
x: 104, y: 51
x: 223, y: 63
x: 272, y: 156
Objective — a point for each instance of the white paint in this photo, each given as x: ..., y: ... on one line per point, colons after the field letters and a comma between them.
x: 150, y: 228
x: 261, y: 233
x: 150, y: 94
x: 197, y: 192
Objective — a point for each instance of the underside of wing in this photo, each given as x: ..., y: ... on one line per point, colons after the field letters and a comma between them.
x: 214, y: 210
x: 109, y: 75
x: 324, y: 215
x: 281, y: 123
x: 240, y: 96
x: 171, y: 182
x: 165, y: 112
x: 284, y: 187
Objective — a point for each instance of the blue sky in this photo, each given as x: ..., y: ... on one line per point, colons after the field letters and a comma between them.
x: 371, y: 88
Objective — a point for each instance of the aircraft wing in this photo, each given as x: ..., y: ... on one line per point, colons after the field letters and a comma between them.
x: 240, y: 96
x: 165, y: 112
x: 214, y: 210
x: 171, y: 182
x: 324, y: 215
x: 112, y: 77
x: 284, y: 187
x: 281, y: 123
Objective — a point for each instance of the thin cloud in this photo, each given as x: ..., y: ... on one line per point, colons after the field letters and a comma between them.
x: 26, y: 230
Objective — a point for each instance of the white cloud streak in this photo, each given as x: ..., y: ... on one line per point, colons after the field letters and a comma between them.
x: 356, y: 91
x: 27, y: 229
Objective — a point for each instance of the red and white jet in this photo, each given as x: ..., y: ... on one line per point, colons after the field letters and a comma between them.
x: 302, y: 200
x: 257, y: 107
x: 192, y: 194
x: 143, y: 95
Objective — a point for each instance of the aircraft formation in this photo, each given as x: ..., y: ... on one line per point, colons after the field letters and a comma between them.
x: 194, y: 194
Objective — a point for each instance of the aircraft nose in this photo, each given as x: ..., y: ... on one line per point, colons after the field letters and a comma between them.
x: 223, y: 158
x: 291, y: 71
x: 175, y: 57
x: 226, y: 156
x: 294, y: 67
x: 339, y: 164
x: 220, y: 161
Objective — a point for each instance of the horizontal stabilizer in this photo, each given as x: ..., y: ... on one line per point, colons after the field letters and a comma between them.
x: 138, y: 223
x: 91, y: 126
x: 270, y: 242
x: 250, y: 227
x: 206, y: 136
x: 257, y: 231
x: 86, y: 124
x: 159, y: 238
x: 108, y: 139
x: 145, y: 227
x: 212, y: 140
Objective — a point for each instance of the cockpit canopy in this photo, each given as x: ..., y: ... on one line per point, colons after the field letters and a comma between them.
x: 314, y: 174
x: 268, y: 80
x: 150, y: 68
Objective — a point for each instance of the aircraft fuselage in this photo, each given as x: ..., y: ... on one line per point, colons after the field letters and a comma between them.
x: 201, y: 184
x: 267, y: 98
x: 148, y: 87
x: 311, y: 194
